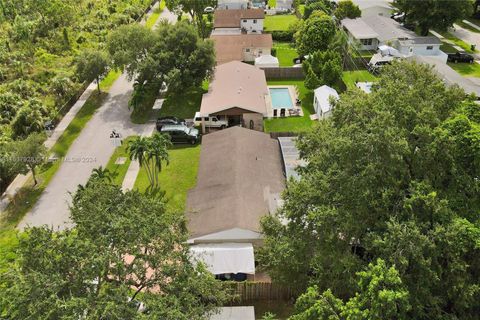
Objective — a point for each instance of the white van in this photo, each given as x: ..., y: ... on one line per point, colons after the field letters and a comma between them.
x: 209, y: 121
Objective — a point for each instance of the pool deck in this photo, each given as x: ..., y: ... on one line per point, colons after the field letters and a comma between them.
x: 293, y: 94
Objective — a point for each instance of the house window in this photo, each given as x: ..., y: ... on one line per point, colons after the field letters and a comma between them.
x: 244, y: 21
x: 366, y: 42
x: 260, y: 51
x: 247, y: 50
x: 252, y: 125
x: 254, y: 20
x: 429, y: 47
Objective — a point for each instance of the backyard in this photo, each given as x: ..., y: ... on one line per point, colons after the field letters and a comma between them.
x: 351, y: 77
x: 285, y: 53
x: 176, y: 178
x: 293, y: 124
x: 279, y: 22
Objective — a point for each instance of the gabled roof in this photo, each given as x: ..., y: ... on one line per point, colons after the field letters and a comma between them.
x: 239, y: 172
x: 323, y: 95
x: 236, y: 85
x: 359, y: 29
x: 230, y: 47
x: 232, y: 18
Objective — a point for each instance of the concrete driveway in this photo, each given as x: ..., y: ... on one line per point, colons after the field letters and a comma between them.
x: 92, y: 148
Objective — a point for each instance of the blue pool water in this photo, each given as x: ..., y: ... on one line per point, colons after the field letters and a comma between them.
x: 281, y: 98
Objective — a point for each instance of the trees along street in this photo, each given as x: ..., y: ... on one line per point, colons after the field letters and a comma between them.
x: 90, y: 150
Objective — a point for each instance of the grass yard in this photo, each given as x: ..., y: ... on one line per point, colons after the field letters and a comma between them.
x: 466, y: 69
x: 176, y: 178
x: 448, y: 48
x: 185, y: 104
x: 293, y: 124
x: 458, y: 42
x: 279, y: 22
x: 350, y: 77
x: 285, y: 53
x: 119, y: 170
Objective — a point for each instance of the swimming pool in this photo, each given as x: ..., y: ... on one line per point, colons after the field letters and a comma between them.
x: 281, y: 98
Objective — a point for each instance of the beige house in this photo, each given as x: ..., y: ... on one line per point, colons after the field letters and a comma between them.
x: 238, y: 93
x: 241, y: 47
x: 238, y: 21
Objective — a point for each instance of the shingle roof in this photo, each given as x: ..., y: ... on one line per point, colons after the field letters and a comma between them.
x: 230, y: 47
x: 236, y: 85
x: 359, y: 29
x: 240, y: 171
x: 231, y: 18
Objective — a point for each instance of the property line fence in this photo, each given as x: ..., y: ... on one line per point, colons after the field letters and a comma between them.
x: 255, y: 291
x: 283, y: 73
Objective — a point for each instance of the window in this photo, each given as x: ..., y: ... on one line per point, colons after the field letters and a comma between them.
x: 429, y: 47
x: 252, y: 125
x: 254, y: 20
x: 366, y: 42
x: 247, y: 50
x: 260, y: 51
x: 244, y: 21
x: 198, y: 119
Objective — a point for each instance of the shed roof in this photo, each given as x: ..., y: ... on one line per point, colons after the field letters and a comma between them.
x: 240, y: 171
x: 236, y: 85
x: 323, y: 95
x: 230, y: 47
x: 232, y: 18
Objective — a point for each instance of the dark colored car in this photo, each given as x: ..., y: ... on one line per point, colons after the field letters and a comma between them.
x: 299, y: 60
x: 168, y: 120
x: 180, y: 133
x: 460, y: 57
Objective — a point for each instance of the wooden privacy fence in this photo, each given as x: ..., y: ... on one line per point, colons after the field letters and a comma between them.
x: 254, y: 291
x: 283, y: 73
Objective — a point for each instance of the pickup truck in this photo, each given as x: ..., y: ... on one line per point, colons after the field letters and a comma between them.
x: 210, y: 121
x: 460, y: 57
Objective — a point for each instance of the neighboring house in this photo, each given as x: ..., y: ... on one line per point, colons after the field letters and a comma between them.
x: 374, y: 7
x: 321, y: 101
x: 239, y: 181
x: 284, y: 5
x: 238, y: 21
x: 449, y: 75
x: 233, y: 4
x: 373, y: 31
x: 241, y: 47
x: 267, y: 61
x: 237, y: 94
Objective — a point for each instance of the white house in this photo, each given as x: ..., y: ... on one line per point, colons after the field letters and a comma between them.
x: 233, y: 4
x: 238, y: 21
x: 373, y: 31
x: 321, y: 101
x: 373, y: 7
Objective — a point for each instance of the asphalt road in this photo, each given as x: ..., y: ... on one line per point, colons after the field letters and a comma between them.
x: 93, y: 148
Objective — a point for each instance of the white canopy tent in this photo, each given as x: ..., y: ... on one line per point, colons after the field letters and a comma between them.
x: 225, y: 257
x: 267, y: 61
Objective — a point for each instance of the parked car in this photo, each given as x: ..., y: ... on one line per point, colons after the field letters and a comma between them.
x: 180, y: 133
x: 208, y: 10
x: 210, y: 121
x: 300, y: 59
x: 460, y: 57
x: 168, y: 120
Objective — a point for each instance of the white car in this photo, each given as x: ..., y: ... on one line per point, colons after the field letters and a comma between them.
x: 209, y: 10
x: 209, y: 121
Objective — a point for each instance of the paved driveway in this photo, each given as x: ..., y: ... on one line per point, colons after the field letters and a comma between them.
x: 468, y: 36
x: 92, y: 148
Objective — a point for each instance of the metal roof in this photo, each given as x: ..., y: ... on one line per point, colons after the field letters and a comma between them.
x: 291, y: 157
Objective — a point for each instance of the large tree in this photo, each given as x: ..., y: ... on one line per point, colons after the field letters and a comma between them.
x: 92, y: 65
x: 315, y: 34
x: 392, y: 175
x: 195, y: 8
x: 347, y: 9
x: 322, y: 68
x: 126, y: 258
x: 172, y: 53
x: 431, y: 14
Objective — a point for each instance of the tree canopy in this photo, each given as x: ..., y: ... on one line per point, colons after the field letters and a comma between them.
x: 322, y: 68
x: 315, y: 34
x: 430, y: 14
x: 126, y: 258
x: 171, y: 53
x: 392, y: 175
x: 347, y: 9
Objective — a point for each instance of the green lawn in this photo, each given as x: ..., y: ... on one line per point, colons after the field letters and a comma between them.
x: 185, y: 104
x: 458, y: 42
x: 119, y: 170
x: 285, y: 53
x: 466, y: 69
x: 448, y: 48
x: 279, y: 22
x: 350, y: 77
x: 293, y: 124
x: 176, y: 178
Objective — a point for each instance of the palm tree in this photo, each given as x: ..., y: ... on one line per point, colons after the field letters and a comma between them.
x: 102, y: 174
x: 158, y: 153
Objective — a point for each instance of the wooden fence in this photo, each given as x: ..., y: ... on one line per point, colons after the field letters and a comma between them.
x: 283, y: 73
x: 255, y: 291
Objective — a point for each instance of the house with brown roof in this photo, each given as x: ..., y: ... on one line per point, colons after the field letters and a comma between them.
x: 240, y: 178
x: 241, y: 47
x: 238, y: 94
x: 238, y: 21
